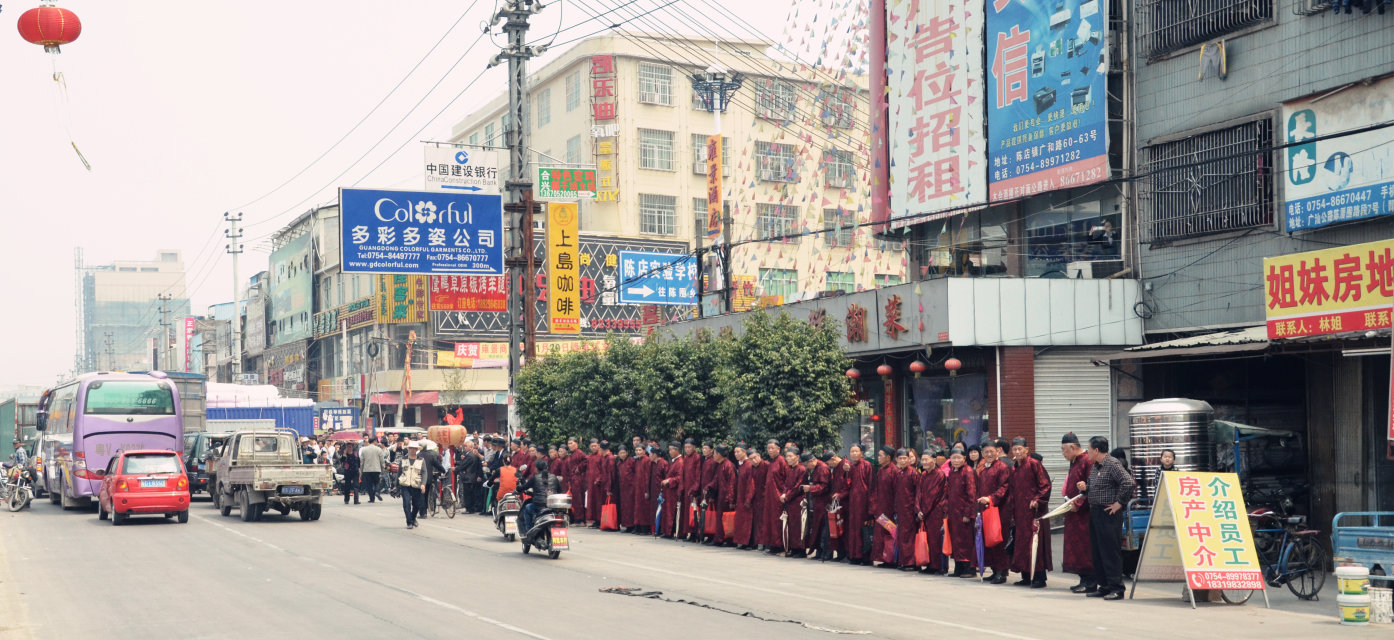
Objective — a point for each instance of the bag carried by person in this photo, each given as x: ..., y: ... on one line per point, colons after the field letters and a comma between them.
x: 834, y: 524
x: 867, y: 537
x: 728, y: 522
x: 609, y: 517
x: 992, y: 527
x: 888, y: 551
x: 709, y: 521
x: 922, y: 548
x: 948, y: 540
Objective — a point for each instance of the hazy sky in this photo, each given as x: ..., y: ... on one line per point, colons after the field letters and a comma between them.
x: 189, y: 109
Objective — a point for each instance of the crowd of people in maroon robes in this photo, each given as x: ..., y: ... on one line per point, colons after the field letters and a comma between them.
x: 906, y: 511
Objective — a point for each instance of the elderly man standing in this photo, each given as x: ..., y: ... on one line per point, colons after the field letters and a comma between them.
x: 1027, y: 496
x: 1108, y: 488
x: 1077, y: 554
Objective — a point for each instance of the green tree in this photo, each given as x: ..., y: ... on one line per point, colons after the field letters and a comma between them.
x: 585, y: 394
x: 680, y: 388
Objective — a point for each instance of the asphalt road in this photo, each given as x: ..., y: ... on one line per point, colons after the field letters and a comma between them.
x: 358, y: 573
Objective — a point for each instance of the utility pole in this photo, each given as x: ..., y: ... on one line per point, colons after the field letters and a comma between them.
x: 519, y: 259
x: 234, y: 248
x: 165, y: 350
x: 715, y: 86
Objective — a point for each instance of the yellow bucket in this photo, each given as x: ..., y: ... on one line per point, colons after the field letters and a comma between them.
x: 1352, y: 580
x: 1354, y: 609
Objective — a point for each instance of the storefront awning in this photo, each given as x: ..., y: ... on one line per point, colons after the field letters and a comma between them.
x: 424, y: 397
x: 1222, y: 342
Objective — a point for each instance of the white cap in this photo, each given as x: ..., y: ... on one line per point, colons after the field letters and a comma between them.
x: 413, y: 445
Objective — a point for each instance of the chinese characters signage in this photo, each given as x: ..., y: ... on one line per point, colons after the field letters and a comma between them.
x: 1330, y: 291
x: 358, y: 313
x: 713, y: 185
x: 936, y: 114
x: 400, y: 299
x: 454, y: 169
x: 1046, y: 102
x: 563, y: 268
x: 565, y: 184
x: 1210, y: 530
x: 469, y: 293
x: 605, y: 132
x: 188, y: 344
x: 743, y: 296
x: 657, y: 278
x: 421, y: 232
x: 1345, y: 178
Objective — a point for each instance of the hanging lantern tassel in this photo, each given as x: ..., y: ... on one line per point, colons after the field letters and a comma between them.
x: 52, y: 27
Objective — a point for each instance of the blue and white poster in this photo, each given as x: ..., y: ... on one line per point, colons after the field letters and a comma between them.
x: 1343, y: 178
x: 421, y: 232
x: 1047, y: 99
x: 657, y: 278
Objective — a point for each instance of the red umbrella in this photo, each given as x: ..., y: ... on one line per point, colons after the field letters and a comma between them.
x: 347, y: 435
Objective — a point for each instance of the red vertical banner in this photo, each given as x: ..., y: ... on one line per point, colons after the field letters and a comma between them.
x: 880, y: 146
x: 888, y: 414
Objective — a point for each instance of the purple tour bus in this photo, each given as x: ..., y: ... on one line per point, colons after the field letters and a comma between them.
x: 84, y: 422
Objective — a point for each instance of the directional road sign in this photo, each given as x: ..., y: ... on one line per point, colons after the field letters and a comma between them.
x: 461, y: 170
x: 648, y: 277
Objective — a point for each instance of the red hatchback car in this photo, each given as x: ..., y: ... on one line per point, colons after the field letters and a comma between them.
x: 145, y: 481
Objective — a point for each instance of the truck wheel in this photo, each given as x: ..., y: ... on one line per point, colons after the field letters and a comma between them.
x: 305, y: 513
x: 314, y: 511
x: 213, y: 496
x: 244, y: 507
x: 224, y: 507
x: 258, y: 511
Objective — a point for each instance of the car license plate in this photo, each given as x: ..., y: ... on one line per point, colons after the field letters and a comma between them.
x: 293, y: 491
x: 148, y: 484
x: 560, y: 541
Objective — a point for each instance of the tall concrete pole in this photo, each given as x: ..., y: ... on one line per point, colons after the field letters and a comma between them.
x: 234, y: 248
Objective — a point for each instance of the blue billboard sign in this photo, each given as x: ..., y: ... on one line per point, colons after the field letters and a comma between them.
x: 1047, y: 102
x: 421, y: 232
x: 648, y: 277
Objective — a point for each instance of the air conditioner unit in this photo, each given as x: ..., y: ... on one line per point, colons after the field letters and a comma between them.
x: 1093, y: 269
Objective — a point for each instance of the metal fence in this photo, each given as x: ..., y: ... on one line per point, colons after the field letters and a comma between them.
x: 1171, y: 25
x: 1210, y: 182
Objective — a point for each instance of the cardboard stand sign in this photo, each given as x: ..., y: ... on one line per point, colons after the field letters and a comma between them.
x: 1199, y: 534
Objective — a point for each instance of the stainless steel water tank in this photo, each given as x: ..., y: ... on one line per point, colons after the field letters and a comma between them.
x: 1179, y: 424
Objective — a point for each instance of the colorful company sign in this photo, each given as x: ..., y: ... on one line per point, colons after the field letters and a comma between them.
x: 456, y: 169
x: 469, y: 293
x: 605, y: 131
x: 1047, y: 115
x: 565, y: 184
x: 563, y: 268
x: 1344, y: 178
x: 188, y: 344
x: 713, y: 186
x: 1330, y: 291
x: 400, y: 299
x: 937, y: 150
x: 1206, y: 512
x: 421, y: 232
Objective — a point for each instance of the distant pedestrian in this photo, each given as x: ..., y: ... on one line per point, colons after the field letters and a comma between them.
x: 350, y: 467
x: 1109, y: 488
x: 371, y: 462
x: 411, y: 481
x: 470, y: 472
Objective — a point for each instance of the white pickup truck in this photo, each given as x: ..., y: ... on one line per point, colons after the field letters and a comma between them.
x: 262, y: 469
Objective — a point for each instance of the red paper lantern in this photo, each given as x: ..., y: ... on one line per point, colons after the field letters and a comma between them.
x: 953, y: 365
x: 884, y: 370
x: 854, y: 374
x: 918, y: 367
x: 49, y: 26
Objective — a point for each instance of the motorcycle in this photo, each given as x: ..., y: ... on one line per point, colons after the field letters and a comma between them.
x: 506, y: 511
x: 18, y: 488
x: 549, y: 531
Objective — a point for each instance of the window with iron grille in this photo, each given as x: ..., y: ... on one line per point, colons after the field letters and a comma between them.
x: 779, y: 282
x: 699, y: 155
x: 841, y: 226
x: 658, y: 215
x: 838, y: 170
x: 489, y: 135
x: 838, y: 108
x: 573, y: 150
x: 656, y: 149
x: 774, y: 100
x: 844, y: 281
x: 775, y: 221
x: 544, y: 107
x: 699, y: 215
x: 655, y: 84
x: 1172, y: 25
x: 573, y: 91
x: 887, y: 280
x: 776, y: 162
x: 1209, y: 182
x: 474, y: 138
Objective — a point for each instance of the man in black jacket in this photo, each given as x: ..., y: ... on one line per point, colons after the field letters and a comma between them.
x: 539, y: 485
x: 470, y: 471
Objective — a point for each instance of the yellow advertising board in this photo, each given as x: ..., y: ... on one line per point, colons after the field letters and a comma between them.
x: 1332, y: 290
x: 563, y: 268
x: 743, y: 296
x: 399, y: 299
x: 1199, y: 532
x: 713, y: 185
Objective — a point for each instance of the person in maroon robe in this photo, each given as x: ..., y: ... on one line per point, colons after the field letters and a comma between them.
x: 908, y: 516
x: 657, y: 471
x: 639, y: 505
x: 671, y: 486
x: 841, y: 470
x: 576, y: 465
x: 961, y: 501
x: 791, y: 503
x: 743, y: 533
x: 723, y: 495
x: 760, y: 469
x: 1076, y: 558
x: 522, y: 456
x: 707, y: 510
x: 992, y: 477
x: 773, y: 527
x: 857, y: 507
x: 1027, y: 496
x: 595, y: 468
x: 691, y: 488
x: 883, y: 506
x: 931, y: 507
x: 817, y: 490
x: 625, y: 468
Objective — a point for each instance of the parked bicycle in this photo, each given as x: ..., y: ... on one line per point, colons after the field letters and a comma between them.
x: 443, y: 497
x: 1289, y: 552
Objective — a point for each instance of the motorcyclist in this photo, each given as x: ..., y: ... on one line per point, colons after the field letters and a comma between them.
x: 539, y: 485
x: 18, y: 460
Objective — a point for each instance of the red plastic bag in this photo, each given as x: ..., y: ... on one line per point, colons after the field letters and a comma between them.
x: 728, y: 522
x: 948, y: 540
x: 709, y: 521
x: 992, y: 527
x: 922, y: 548
x: 888, y: 551
x: 835, y: 525
x: 609, y: 518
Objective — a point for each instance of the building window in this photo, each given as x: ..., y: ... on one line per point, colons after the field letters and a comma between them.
x: 1172, y: 25
x: 699, y: 155
x: 655, y: 84
x: 1209, y: 182
x: 775, y: 101
x: 839, y: 108
x: 697, y: 101
x: 544, y: 107
x: 489, y: 134
x: 699, y: 215
x: 474, y: 139
x: 573, y: 91
x: 658, y: 214
x: 841, y: 227
x: 887, y: 280
x: 844, y: 281
x: 573, y: 150
x: 774, y: 221
x: 838, y: 170
x: 776, y: 162
x: 656, y: 149
x: 779, y: 282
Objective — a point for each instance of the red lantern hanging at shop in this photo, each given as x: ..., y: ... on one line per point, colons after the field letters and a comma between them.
x: 49, y: 26
x: 953, y: 365
x: 918, y: 367
x: 885, y: 370
x: 854, y: 374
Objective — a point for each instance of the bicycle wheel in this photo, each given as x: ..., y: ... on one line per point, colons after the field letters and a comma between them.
x: 1305, y: 568
x: 1236, y: 596
x: 430, y: 504
x: 448, y: 502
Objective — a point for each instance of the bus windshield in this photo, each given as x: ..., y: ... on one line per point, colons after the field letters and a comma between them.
x: 129, y: 397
